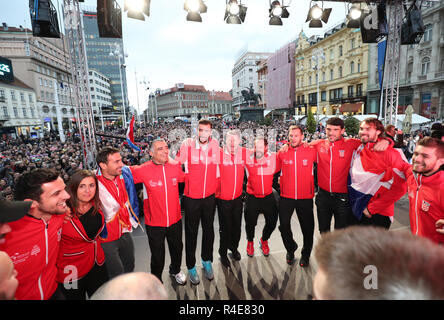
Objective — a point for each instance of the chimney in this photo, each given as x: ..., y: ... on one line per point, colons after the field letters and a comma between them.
x: 5, y: 26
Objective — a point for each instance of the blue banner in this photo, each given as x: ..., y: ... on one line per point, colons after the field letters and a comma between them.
x: 381, y: 60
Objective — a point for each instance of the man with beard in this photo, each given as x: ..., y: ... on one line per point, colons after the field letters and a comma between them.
x: 33, y: 243
x: 200, y: 158
x: 376, y: 180
x: 425, y: 181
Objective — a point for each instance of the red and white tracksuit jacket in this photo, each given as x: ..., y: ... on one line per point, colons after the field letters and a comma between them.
x: 260, y: 174
x: 231, y: 172
x: 33, y: 246
x: 334, y: 159
x: 200, y: 168
x: 78, y: 250
x: 297, y: 177
x: 426, y: 197
x: 161, y: 192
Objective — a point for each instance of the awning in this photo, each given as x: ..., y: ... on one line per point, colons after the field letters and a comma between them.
x: 350, y: 107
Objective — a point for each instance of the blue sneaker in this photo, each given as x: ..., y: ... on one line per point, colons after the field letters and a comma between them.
x: 208, y: 270
x: 194, y: 277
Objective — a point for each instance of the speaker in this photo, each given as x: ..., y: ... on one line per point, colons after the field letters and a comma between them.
x: 44, y: 19
x: 109, y: 19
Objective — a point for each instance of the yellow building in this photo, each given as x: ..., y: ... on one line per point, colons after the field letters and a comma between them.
x: 343, y: 71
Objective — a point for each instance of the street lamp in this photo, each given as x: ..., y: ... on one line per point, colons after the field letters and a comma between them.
x: 317, y: 54
x: 120, y: 56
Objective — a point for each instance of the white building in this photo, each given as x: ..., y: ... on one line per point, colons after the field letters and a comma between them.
x: 244, y: 74
x: 19, y: 114
x: 100, y: 92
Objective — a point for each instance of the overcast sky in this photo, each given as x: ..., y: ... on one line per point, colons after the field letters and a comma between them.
x: 165, y: 49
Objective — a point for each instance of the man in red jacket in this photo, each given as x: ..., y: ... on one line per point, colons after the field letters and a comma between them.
x: 33, y: 243
x: 229, y: 195
x: 297, y: 192
x: 425, y: 181
x: 261, y: 167
x: 163, y: 218
x: 200, y: 158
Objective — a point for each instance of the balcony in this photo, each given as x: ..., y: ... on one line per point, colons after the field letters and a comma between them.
x: 439, y: 75
x: 422, y: 78
x: 4, y: 117
x: 2, y: 99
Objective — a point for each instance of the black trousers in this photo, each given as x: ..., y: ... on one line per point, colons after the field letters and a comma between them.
x: 119, y: 255
x: 199, y: 210
x: 304, y: 211
x: 230, y: 220
x: 156, y: 241
x: 87, y: 285
x: 376, y: 220
x: 254, y: 206
x: 333, y: 204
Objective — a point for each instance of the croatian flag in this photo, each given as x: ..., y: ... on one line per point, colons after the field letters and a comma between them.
x: 130, y: 136
x: 368, y: 173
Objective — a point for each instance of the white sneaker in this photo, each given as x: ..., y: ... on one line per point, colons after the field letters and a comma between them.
x: 180, y: 278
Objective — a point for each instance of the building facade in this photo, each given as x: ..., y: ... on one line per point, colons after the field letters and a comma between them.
x: 220, y: 103
x: 421, y: 82
x: 19, y: 114
x: 244, y: 75
x: 43, y: 65
x: 339, y: 75
x: 111, y: 66
x: 101, y: 100
x: 262, y: 73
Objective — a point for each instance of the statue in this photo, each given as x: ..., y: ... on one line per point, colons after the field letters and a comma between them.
x: 407, y: 123
x: 250, y: 97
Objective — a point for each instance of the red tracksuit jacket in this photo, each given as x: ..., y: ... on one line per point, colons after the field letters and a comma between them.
x: 334, y: 160
x: 231, y: 174
x: 200, y: 168
x: 161, y: 183
x: 297, y: 179
x: 426, y: 197
x: 78, y: 250
x: 33, y: 246
x: 260, y: 174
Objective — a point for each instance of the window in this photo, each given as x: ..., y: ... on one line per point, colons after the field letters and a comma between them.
x: 24, y: 113
x: 352, y: 43
x: 350, y: 91
x: 15, y: 112
x: 30, y: 98
x: 331, y: 74
x: 5, y: 111
x: 340, y: 72
x: 13, y: 95
x: 323, y: 95
x: 352, y: 67
x: 425, y: 66
x: 359, y: 90
x: 428, y: 32
x: 359, y: 66
x: 332, y: 54
x: 323, y: 76
x: 2, y: 93
x: 22, y: 97
x: 38, y: 68
x: 340, y: 50
x: 309, y: 80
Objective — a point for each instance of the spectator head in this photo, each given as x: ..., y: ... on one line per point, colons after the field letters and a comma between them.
x: 373, y: 263
x: 46, y: 189
x: 428, y: 156
x: 335, y: 129
x: 110, y: 162
x: 8, y: 280
x: 132, y: 286
x: 260, y: 147
x: 295, y: 135
x: 390, y: 130
x: 370, y: 130
x: 437, y: 131
x: 83, y: 188
x: 232, y: 141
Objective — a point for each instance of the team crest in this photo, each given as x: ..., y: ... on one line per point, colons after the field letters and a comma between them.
x: 304, y: 162
x: 425, y: 206
x: 342, y: 153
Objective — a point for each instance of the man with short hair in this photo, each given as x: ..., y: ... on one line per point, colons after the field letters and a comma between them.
x: 163, y: 218
x: 120, y: 218
x: 392, y: 132
x: 425, y: 181
x: 297, y: 192
x: 8, y: 278
x: 368, y: 263
x: 33, y: 243
x: 200, y: 158
x: 376, y: 180
x: 229, y: 195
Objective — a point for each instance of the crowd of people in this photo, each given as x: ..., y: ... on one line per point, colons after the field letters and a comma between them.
x: 82, y: 220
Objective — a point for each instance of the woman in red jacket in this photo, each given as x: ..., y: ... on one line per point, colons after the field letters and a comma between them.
x: 81, y: 262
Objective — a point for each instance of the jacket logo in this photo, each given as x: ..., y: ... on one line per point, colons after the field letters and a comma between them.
x: 425, y: 206
x: 174, y: 181
x: 288, y: 161
x: 153, y: 183
x: 159, y: 183
x: 36, y: 249
x: 342, y: 153
x: 305, y: 162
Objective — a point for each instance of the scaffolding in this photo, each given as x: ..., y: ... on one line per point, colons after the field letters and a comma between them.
x: 73, y: 24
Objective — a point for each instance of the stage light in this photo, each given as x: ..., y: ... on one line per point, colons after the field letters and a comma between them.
x: 353, y: 17
x: 276, y: 12
x: 194, y: 8
x: 317, y: 15
x: 137, y: 9
x: 44, y: 19
x: 235, y: 12
x: 109, y: 19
